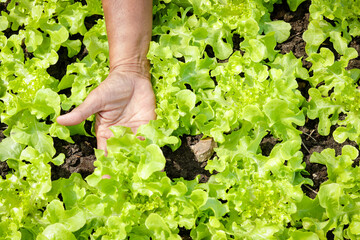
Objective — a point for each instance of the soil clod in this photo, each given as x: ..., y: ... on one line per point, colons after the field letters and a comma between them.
x: 183, y: 162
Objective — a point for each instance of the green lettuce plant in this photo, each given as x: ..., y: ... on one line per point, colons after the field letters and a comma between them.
x: 215, y: 71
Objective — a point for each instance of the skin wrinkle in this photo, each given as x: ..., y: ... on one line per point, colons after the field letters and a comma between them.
x: 142, y: 69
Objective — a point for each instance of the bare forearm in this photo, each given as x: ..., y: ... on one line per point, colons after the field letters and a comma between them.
x: 128, y: 26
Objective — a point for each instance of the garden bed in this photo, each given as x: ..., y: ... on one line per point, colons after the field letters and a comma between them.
x: 182, y: 163
x: 190, y: 159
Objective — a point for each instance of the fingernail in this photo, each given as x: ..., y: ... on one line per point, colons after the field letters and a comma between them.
x: 106, y: 176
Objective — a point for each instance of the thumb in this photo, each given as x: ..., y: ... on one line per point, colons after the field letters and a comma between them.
x: 90, y: 106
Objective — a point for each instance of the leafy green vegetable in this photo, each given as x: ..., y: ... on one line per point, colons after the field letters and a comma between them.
x: 216, y: 72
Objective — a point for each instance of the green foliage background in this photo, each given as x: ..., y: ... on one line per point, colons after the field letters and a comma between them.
x: 237, y: 102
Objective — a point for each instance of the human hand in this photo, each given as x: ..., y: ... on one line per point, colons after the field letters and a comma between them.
x: 123, y: 98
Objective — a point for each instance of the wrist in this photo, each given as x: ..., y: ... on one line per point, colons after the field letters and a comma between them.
x: 139, y: 66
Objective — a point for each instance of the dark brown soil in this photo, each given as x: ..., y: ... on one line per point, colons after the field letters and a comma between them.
x: 2, y: 128
x: 80, y: 157
x: 299, y: 21
x: 4, y: 169
x: 58, y: 70
x: 91, y: 21
x: 3, y: 5
x: 312, y: 141
x: 355, y: 63
x: 268, y: 143
x: 182, y: 162
x: 185, y: 234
